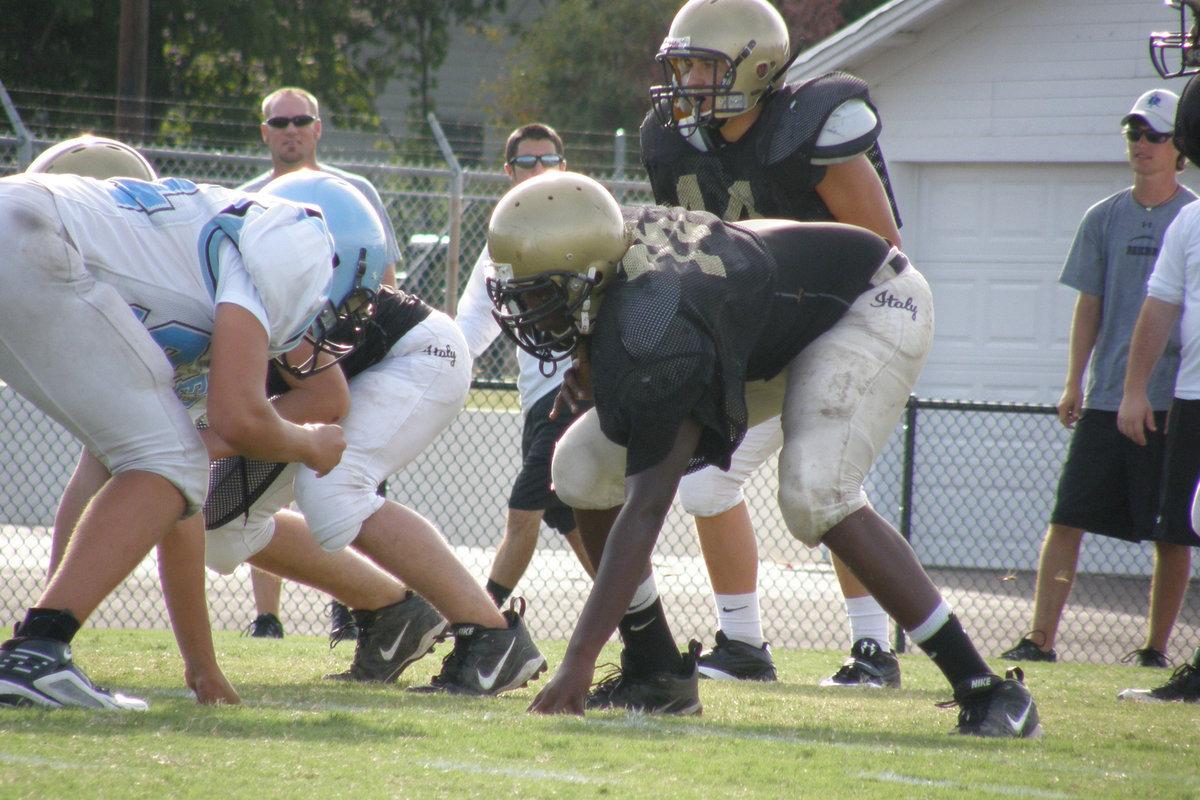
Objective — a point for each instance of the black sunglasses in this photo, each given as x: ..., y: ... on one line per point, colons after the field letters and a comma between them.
x: 529, y: 162
x: 1134, y: 134
x: 300, y: 121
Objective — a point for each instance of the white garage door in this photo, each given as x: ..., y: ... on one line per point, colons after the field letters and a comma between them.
x: 991, y: 239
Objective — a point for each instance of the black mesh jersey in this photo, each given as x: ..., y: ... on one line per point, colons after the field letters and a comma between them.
x: 697, y: 308
x: 768, y: 172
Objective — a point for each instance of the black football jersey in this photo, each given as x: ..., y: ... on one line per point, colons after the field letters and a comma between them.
x: 697, y: 308
x: 768, y: 172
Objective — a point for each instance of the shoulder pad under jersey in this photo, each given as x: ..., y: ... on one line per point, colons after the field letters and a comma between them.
x: 795, y: 116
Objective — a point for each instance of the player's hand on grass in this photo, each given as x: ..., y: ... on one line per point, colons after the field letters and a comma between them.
x: 566, y: 692
x: 211, y: 687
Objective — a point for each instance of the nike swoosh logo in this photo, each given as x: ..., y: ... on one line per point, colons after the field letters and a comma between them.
x: 729, y: 610
x: 1018, y: 722
x: 643, y: 626
x: 387, y: 653
x: 487, y: 681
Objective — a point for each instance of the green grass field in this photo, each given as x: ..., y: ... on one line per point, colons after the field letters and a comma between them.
x: 297, y: 736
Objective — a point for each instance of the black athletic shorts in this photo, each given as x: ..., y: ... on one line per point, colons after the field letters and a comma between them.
x: 1109, y: 485
x: 1181, y: 470
x: 531, y: 489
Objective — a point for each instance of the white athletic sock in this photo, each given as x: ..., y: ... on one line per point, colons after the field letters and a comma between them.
x: 644, y: 596
x: 868, y: 620
x: 740, y: 618
x: 932, y: 624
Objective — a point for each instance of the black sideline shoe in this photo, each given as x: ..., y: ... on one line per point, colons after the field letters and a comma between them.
x: 1147, y: 657
x: 40, y: 672
x: 342, y: 627
x: 265, y: 626
x: 733, y: 660
x: 1026, y: 650
x: 488, y: 661
x: 1184, y: 686
x: 869, y: 665
x: 391, y: 638
x: 662, y: 693
x: 996, y: 708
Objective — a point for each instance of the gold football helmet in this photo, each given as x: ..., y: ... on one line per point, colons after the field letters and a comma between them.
x: 94, y: 157
x: 746, y: 40
x: 556, y: 241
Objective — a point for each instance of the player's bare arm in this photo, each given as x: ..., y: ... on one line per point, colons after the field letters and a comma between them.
x: 1154, y: 326
x: 238, y: 410
x: 1085, y: 327
x: 854, y: 195
x: 576, y: 387
x: 648, y: 496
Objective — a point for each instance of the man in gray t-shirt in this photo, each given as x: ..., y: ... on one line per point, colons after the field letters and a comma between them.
x: 1109, y: 485
x: 290, y: 129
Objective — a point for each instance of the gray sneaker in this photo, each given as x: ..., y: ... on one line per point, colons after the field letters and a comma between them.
x: 996, y: 708
x: 488, y: 661
x: 40, y: 672
x: 391, y: 638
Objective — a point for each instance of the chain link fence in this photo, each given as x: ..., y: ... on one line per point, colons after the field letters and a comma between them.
x: 971, y: 484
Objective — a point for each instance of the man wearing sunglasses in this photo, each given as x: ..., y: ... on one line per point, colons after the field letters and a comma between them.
x: 1109, y: 485
x: 531, y: 150
x: 291, y: 128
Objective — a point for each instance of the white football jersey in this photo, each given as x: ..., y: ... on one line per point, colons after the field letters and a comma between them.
x: 175, y: 249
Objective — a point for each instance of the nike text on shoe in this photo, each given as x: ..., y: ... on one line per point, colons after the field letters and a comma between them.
x: 265, y: 626
x: 995, y: 707
x: 342, y: 627
x: 733, y: 660
x: 391, y: 638
x: 40, y: 672
x: 869, y: 665
x: 488, y: 661
x: 1026, y: 650
x: 1183, y: 686
x: 660, y: 693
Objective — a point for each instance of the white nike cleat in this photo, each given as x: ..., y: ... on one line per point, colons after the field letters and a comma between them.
x: 995, y: 707
x: 40, y: 672
x: 488, y: 661
x: 391, y: 638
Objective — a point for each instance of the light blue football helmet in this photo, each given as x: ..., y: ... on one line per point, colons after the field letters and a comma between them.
x: 360, y: 258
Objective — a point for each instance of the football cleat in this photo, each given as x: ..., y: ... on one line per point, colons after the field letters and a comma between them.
x: 391, y: 638
x: 868, y: 665
x: 342, y: 627
x: 660, y: 693
x: 265, y: 626
x: 40, y: 672
x: 996, y: 708
x: 1183, y: 686
x: 1026, y: 650
x: 488, y: 661
x: 730, y: 659
x: 1147, y: 657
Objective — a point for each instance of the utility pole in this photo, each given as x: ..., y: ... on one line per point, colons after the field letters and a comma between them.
x: 131, y: 70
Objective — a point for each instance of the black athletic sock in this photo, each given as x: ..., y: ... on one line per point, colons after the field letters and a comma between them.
x: 49, y: 623
x: 499, y: 593
x: 649, y: 647
x: 951, y: 649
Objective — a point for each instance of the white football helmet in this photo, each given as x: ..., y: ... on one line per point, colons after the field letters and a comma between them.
x: 556, y: 241
x: 93, y: 157
x: 748, y: 42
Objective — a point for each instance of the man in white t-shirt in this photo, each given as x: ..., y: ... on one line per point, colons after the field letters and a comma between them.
x: 530, y: 151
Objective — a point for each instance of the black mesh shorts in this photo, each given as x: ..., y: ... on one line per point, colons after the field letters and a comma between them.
x: 1181, y: 470
x: 531, y: 489
x: 1109, y: 485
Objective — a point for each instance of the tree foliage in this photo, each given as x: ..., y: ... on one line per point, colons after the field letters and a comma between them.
x: 214, y: 58
x: 586, y: 64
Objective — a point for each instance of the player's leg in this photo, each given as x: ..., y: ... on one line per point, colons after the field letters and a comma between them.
x: 267, y: 590
x: 1055, y: 578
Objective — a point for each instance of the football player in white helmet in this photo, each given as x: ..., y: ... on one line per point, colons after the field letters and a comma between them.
x: 728, y: 134
x: 632, y: 294
x: 219, y: 283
